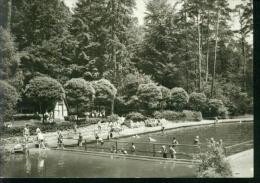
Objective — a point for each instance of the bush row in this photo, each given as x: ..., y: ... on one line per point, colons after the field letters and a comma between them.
x: 19, y: 117
x: 48, y: 127
x: 178, y: 116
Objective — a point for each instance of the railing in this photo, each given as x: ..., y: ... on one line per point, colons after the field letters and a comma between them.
x: 183, y: 151
x: 236, y: 148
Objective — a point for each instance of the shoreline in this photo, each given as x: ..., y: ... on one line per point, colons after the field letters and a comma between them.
x: 88, y: 132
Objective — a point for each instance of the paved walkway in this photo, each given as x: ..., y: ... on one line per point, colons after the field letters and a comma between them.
x: 88, y: 132
x: 242, y: 164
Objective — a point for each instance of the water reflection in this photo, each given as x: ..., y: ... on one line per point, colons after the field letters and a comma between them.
x: 61, y: 161
x: 28, y: 164
x: 41, y: 161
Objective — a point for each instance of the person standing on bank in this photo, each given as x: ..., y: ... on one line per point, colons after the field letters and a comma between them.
x: 26, y: 133
x: 60, y: 140
x: 80, y: 140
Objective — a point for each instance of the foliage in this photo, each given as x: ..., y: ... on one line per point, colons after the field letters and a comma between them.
x: 169, y: 115
x: 178, y: 116
x: 214, y: 164
x: 105, y: 91
x: 166, y: 95
x: 216, y: 108
x: 149, y: 95
x: 192, y: 115
x: 112, y: 118
x: 18, y: 117
x: 79, y: 94
x: 44, y: 92
x: 197, y: 101
x: 8, y: 101
x: 178, y: 99
x: 135, y: 117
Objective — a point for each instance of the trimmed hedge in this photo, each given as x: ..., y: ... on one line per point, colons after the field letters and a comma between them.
x: 178, y: 116
x: 135, y: 117
x: 19, y: 117
x: 48, y: 127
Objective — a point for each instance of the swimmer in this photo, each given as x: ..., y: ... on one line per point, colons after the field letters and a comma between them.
x: 133, y: 148
x: 136, y: 136
x: 174, y: 141
x: 151, y: 139
x: 212, y: 142
x: 172, y: 152
x: 164, y: 151
x: 26, y: 133
x: 196, y: 140
x: 60, y: 140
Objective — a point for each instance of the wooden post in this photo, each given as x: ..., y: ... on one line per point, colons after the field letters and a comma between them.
x: 154, y: 150
x: 116, y: 146
x: 85, y: 145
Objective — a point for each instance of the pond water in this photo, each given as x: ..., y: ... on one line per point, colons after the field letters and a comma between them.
x: 50, y: 163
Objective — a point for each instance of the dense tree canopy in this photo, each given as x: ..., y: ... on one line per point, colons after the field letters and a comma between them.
x: 9, y: 98
x: 79, y: 94
x: 186, y: 44
x: 44, y: 92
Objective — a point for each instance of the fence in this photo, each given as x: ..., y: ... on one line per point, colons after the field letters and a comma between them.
x: 236, y: 148
x: 183, y: 151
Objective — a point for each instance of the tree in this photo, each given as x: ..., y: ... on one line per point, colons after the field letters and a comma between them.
x: 216, y: 108
x: 44, y: 92
x: 79, y: 94
x: 34, y: 21
x: 197, y: 101
x: 149, y: 96
x: 101, y: 30
x: 105, y: 93
x: 179, y: 99
x: 10, y: 60
x: 166, y: 95
x: 9, y: 98
x: 158, y: 56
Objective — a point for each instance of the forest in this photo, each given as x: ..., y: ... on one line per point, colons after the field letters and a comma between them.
x: 185, y: 58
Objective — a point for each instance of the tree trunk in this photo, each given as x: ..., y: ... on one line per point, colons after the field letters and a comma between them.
x: 207, y: 57
x: 112, y: 106
x: 199, y: 50
x: 215, y: 57
x: 9, y: 15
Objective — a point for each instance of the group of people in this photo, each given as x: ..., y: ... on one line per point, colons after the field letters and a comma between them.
x: 95, y: 114
x: 39, y: 136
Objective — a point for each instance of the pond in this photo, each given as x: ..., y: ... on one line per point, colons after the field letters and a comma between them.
x: 50, y: 163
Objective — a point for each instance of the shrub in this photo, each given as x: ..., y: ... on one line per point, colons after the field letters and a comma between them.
x: 179, y: 99
x: 178, y: 116
x: 131, y: 124
x: 216, y: 108
x: 151, y: 122
x: 18, y: 117
x: 89, y: 121
x: 8, y: 100
x: 135, y: 116
x: 197, y: 101
x: 214, y: 164
x: 169, y: 115
x: 192, y: 115
x: 113, y: 118
x: 149, y: 95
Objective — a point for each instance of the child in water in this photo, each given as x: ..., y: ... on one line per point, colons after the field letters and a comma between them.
x: 80, y: 140
x: 172, y: 152
x: 60, y: 140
